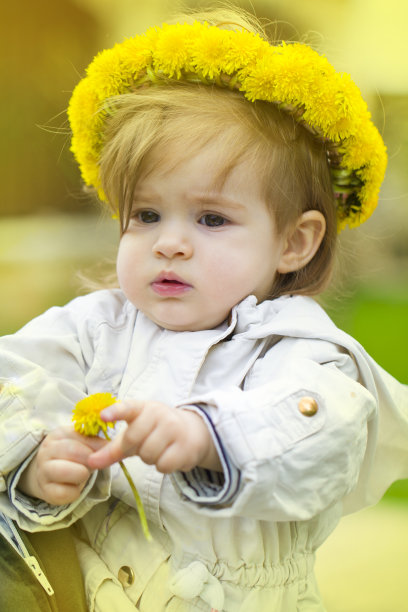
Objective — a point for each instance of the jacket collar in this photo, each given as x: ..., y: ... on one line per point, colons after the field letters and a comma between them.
x: 295, y: 316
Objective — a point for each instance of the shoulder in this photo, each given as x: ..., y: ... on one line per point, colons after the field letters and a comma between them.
x: 302, y: 317
x: 106, y: 307
x: 304, y: 329
x: 291, y: 316
x: 296, y: 329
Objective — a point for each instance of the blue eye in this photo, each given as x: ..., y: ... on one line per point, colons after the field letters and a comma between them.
x: 148, y: 216
x: 212, y: 220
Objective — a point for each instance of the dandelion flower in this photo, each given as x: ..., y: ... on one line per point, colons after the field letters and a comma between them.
x: 87, y: 421
x: 87, y: 414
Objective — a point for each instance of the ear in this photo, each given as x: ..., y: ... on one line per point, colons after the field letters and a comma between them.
x: 302, y: 241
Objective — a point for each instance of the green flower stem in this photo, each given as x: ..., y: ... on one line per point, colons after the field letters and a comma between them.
x: 139, y: 504
x: 136, y: 495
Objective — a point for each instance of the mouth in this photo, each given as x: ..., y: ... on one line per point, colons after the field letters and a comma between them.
x: 168, y: 284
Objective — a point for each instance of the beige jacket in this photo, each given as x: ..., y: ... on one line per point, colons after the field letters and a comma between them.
x: 243, y: 540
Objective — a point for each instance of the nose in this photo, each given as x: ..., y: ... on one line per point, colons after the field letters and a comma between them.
x: 173, y: 242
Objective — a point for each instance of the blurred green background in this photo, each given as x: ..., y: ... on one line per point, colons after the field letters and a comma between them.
x: 49, y: 228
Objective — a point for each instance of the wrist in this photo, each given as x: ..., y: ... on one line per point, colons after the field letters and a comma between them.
x: 208, y: 456
x: 211, y: 460
x: 27, y: 483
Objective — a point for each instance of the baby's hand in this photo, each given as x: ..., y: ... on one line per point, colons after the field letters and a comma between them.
x: 169, y: 438
x: 59, y: 471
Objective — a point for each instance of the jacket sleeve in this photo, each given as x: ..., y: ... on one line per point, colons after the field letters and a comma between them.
x: 292, y: 463
x: 43, y: 370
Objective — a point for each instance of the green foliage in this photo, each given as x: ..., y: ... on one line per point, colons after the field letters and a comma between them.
x: 379, y: 321
x: 398, y: 491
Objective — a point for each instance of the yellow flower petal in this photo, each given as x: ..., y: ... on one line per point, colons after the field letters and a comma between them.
x: 172, y: 53
x: 208, y: 51
x: 135, y: 55
x: 86, y: 414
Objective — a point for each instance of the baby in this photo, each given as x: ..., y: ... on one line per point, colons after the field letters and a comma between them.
x: 249, y: 422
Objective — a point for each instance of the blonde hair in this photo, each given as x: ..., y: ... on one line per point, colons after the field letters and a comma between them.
x: 182, y: 118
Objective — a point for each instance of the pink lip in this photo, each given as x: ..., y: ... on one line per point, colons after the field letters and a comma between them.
x: 168, y: 284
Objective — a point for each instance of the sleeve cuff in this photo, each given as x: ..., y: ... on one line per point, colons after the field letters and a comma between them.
x: 208, y: 487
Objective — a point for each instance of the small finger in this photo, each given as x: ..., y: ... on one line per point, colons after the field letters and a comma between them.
x: 125, y: 444
x: 106, y: 456
x: 153, y: 447
x: 122, y: 411
x: 171, y: 460
x: 66, y: 472
x: 75, y: 450
x: 64, y: 434
x: 93, y: 443
x: 59, y: 494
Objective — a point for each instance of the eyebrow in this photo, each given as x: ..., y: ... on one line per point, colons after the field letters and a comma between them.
x: 203, y: 199
x: 220, y: 200
x: 146, y: 197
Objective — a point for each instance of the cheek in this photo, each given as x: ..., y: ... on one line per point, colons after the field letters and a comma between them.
x: 121, y: 263
x: 227, y: 275
x: 250, y: 270
x: 126, y: 265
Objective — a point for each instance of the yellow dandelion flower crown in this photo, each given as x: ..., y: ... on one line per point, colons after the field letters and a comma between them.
x: 290, y: 75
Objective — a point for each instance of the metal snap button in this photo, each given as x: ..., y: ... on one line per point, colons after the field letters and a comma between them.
x: 308, y: 406
x: 126, y: 576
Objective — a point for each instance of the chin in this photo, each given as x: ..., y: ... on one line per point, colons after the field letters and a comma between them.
x: 180, y: 327
x: 184, y: 321
x: 188, y: 326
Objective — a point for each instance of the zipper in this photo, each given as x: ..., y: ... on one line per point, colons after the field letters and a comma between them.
x: 30, y: 560
x: 39, y: 574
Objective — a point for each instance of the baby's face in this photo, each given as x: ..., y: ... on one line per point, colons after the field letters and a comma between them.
x: 192, y: 251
